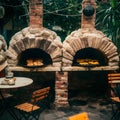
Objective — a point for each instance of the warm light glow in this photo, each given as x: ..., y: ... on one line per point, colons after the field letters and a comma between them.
x: 34, y: 62
x: 87, y: 62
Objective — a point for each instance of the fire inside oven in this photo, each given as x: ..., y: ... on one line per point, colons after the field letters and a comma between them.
x: 34, y: 57
x: 89, y: 57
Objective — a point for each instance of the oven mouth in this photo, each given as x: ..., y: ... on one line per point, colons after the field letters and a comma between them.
x: 34, y: 63
x: 33, y: 58
x: 87, y: 62
x: 89, y: 57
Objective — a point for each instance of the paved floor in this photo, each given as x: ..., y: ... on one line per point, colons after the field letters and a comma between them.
x: 96, y: 109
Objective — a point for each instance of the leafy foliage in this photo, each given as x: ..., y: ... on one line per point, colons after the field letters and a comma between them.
x: 108, y: 19
x: 64, y: 16
x: 62, y: 13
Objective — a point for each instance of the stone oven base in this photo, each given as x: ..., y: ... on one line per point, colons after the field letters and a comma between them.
x: 89, y: 84
x: 66, y: 86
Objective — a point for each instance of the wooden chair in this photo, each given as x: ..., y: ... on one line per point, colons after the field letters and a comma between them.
x: 81, y: 116
x: 113, y: 80
x: 39, y: 101
x: 114, y: 83
x: 4, y: 98
x: 6, y: 95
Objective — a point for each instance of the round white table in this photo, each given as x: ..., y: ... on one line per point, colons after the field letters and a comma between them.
x: 20, y: 82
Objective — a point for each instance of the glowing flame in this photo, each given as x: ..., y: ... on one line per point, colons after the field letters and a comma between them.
x: 34, y: 62
x: 87, y: 62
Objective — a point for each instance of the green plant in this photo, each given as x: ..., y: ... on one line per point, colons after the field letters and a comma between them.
x: 64, y: 14
x: 108, y: 19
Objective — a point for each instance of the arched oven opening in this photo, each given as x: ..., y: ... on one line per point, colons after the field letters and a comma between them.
x: 34, y: 57
x: 89, y: 57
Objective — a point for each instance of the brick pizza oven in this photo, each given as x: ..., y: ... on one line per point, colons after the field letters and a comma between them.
x: 83, y: 52
x: 35, y: 44
x: 35, y: 51
x: 89, y: 43
x: 88, y: 55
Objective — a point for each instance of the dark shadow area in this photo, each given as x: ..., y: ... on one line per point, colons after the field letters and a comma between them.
x: 84, y: 86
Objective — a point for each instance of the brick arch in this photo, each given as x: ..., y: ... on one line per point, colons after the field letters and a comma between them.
x: 28, y: 38
x: 84, y: 38
x: 3, y: 48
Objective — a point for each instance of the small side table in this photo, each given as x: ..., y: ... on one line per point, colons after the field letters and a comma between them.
x: 20, y: 82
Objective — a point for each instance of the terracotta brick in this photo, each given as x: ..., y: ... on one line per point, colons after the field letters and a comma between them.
x: 36, y: 14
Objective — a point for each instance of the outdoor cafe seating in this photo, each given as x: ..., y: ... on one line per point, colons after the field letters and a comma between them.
x: 39, y: 101
x: 114, y: 81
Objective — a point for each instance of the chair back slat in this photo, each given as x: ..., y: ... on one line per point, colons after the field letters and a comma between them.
x: 114, y: 81
x: 114, y: 78
x: 41, y: 90
x: 40, y: 94
x: 114, y: 74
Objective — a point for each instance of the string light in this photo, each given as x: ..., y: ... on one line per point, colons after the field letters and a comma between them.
x: 15, y: 6
x: 47, y: 11
x: 63, y: 8
x: 67, y: 15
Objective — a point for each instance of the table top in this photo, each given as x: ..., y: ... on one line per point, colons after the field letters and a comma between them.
x: 20, y: 82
